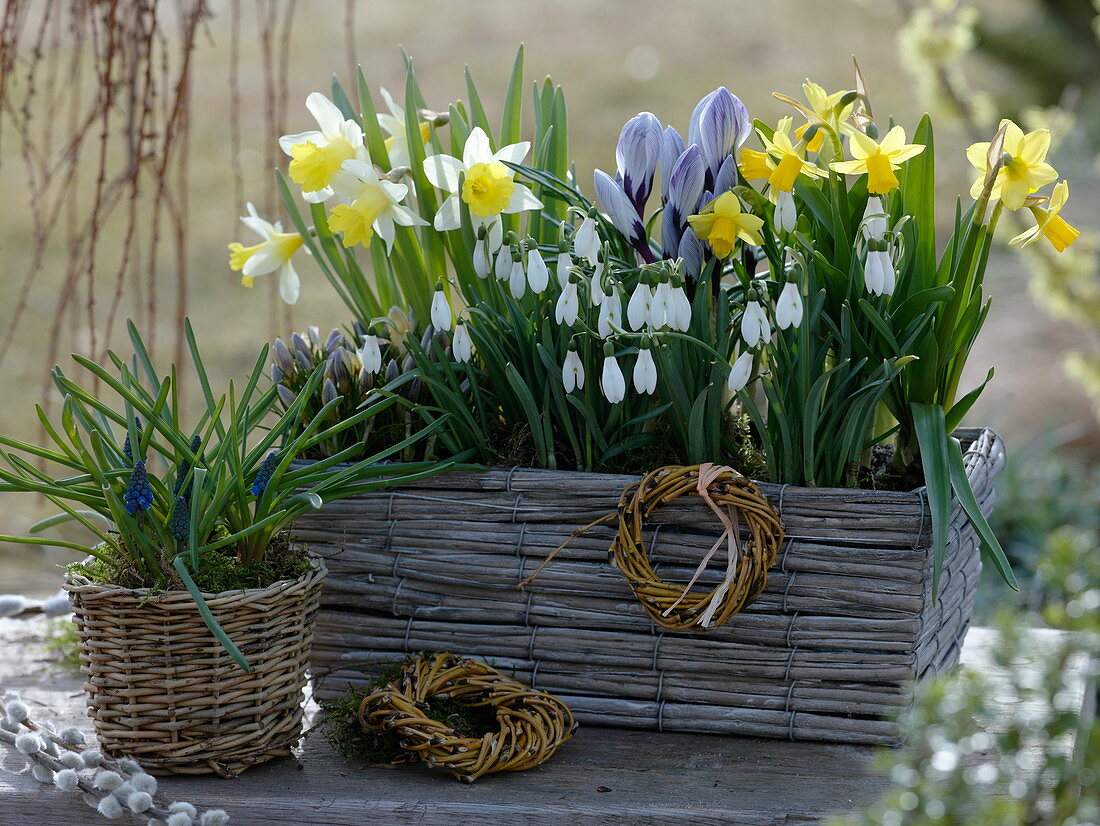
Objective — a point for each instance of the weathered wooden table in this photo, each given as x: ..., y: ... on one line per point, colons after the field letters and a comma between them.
x: 602, y: 776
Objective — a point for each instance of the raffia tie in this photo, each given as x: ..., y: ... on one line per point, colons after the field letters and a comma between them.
x: 733, y: 499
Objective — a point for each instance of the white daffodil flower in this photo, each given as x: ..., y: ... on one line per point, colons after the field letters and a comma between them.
x: 755, y: 328
x: 638, y: 308
x: 572, y: 372
x: 316, y: 155
x: 645, y: 372
x: 538, y: 276
x: 586, y: 241
x: 568, y: 306
x: 372, y: 205
x: 273, y: 253
x: 740, y: 372
x: 788, y: 308
x: 612, y: 382
x: 441, y: 311
x: 489, y: 188
x: 370, y: 354
x: 461, y: 345
x: 611, y: 315
x: 397, y: 144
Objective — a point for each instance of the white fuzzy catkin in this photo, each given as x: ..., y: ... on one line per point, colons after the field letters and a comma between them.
x: 28, y: 744
x: 144, y: 782
x: 214, y: 817
x: 17, y: 711
x: 107, y: 780
x: 12, y: 604
x: 71, y: 736
x: 8, y: 724
x: 110, y: 808
x: 42, y: 774
x: 184, y: 807
x: 72, y: 759
x: 139, y: 801
x: 66, y: 780
x: 91, y: 758
x: 57, y: 605
x: 180, y: 819
x: 129, y: 765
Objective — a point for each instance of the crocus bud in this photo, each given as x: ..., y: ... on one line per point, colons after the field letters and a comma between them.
x: 335, y: 339
x: 619, y: 208
x: 683, y: 193
x: 636, y: 156
x: 719, y: 124
x: 672, y: 146
x: 329, y: 393
x: 282, y: 357
x: 287, y: 396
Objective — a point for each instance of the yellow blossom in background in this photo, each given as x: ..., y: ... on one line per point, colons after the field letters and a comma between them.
x: 823, y: 109
x: 722, y: 222
x: 273, y: 253
x: 1048, y: 222
x: 372, y: 205
x: 397, y: 144
x: 1024, y: 170
x: 318, y: 154
x: 754, y: 165
x: 785, y: 160
x: 878, y: 160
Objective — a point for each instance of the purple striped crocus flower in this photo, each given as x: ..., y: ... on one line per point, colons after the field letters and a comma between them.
x: 636, y: 157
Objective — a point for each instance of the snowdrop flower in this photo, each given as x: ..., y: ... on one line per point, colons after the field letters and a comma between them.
x: 538, y: 276
x: 568, y: 306
x: 441, y: 310
x: 638, y: 308
x: 372, y: 205
x: 645, y: 372
x: 66, y: 780
x: 517, y: 280
x: 397, y: 144
x: 482, y: 258
x: 572, y: 371
x: 273, y: 253
x: 785, y: 213
x: 319, y: 153
x: 874, y: 219
x: 586, y: 242
x: 610, y: 320
x: 661, y: 306
x: 565, y: 263
x: 612, y: 382
x: 740, y: 372
x: 788, y: 309
x: 461, y: 345
x: 503, y: 267
x: 755, y: 328
x: 878, y: 273
x: 370, y: 354
x: 489, y: 188
x: 679, y: 315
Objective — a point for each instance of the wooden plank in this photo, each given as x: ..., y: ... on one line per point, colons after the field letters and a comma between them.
x: 603, y: 776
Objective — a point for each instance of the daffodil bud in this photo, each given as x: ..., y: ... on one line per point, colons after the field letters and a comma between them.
x: 847, y: 99
x: 871, y: 131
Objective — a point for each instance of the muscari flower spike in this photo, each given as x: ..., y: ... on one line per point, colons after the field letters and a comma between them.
x: 127, y: 448
x: 185, y: 468
x: 180, y: 522
x: 263, y: 475
x: 138, y: 495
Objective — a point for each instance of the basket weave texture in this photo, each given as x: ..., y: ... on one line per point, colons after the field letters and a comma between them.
x: 827, y: 651
x: 162, y: 689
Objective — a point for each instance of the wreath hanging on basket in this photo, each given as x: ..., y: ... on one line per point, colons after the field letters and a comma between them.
x: 734, y: 500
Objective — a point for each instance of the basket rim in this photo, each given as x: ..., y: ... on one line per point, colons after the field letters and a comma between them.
x: 78, y: 584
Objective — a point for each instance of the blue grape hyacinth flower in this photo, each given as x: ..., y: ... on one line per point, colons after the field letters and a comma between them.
x: 139, y: 494
x: 263, y: 475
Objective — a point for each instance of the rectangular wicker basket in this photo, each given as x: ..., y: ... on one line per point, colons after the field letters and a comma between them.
x: 825, y: 653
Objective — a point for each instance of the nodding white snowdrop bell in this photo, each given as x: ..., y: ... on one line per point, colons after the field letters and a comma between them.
x: 661, y: 307
x: 680, y: 310
x: 785, y: 213
x: 503, y: 266
x: 461, y: 345
x: 740, y: 372
x: 483, y: 259
x: 517, y: 280
x: 564, y: 264
x: 645, y: 372
x: 874, y: 219
x: 878, y: 273
x: 568, y: 306
x: 638, y: 308
x: 788, y: 308
x: 610, y: 320
x: 586, y: 241
x: 612, y: 381
x: 572, y: 371
x: 755, y: 327
x: 441, y: 310
x: 538, y: 276
x: 370, y: 354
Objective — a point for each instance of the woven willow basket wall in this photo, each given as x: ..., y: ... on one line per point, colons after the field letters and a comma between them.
x: 162, y: 689
x: 825, y: 653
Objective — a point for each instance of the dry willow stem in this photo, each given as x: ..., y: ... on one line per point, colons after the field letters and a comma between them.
x: 531, y: 724
x: 732, y: 498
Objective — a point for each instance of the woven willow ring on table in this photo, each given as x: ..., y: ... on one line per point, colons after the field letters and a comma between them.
x: 531, y: 724
x: 734, y: 500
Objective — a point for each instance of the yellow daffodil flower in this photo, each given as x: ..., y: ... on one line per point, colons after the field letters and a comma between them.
x: 489, y: 188
x: 722, y: 222
x: 273, y: 253
x: 316, y: 155
x: 397, y: 144
x: 878, y: 160
x: 372, y: 205
x: 754, y: 165
x: 1049, y: 223
x: 1024, y: 171
x: 785, y: 160
x: 824, y: 109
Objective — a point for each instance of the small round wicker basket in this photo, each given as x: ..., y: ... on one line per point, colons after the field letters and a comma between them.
x: 162, y: 689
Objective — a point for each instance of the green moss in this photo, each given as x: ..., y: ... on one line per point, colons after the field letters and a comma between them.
x: 60, y: 643
x: 218, y: 570
x: 348, y: 739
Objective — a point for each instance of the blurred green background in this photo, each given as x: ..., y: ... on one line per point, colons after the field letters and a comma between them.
x: 964, y: 61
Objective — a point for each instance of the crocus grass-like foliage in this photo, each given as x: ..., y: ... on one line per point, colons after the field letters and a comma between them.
x: 796, y: 278
x: 156, y: 494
